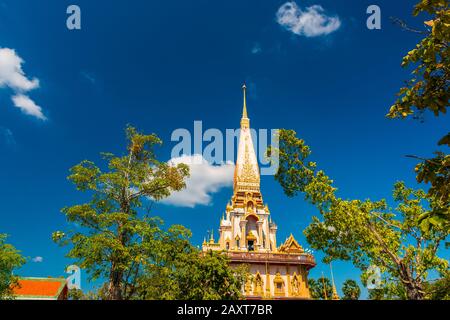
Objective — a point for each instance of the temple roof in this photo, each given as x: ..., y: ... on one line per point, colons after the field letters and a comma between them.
x: 39, y: 288
x: 291, y: 246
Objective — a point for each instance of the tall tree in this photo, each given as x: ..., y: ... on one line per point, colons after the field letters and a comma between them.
x: 351, y: 290
x: 115, y: 238
x: 363, y: 231
x: 10, y: 259
x: 428, y: 90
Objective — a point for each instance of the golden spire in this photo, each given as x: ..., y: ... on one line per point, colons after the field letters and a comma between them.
x: 245, y: 121
x: 246, y: 173
x: 335, y: 294
x: 211, y: 240
x: 244, y: 110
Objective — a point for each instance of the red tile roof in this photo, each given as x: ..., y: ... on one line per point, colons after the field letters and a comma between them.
x: 40, y: 288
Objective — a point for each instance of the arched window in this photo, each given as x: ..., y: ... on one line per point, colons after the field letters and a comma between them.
x: 250, y: 206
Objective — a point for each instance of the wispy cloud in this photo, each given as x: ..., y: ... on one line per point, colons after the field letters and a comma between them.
x: 309, y: 22
x: 256, y: 48
x: 7, y: 137
x: 205, y: 179
x: 38, y: 259
x: 88, y: 76
x: 12, y: 76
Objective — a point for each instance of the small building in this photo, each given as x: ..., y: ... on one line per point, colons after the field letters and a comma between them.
x: 41, y: 289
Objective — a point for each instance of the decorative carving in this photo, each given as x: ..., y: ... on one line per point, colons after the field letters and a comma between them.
x: 258, y: 291
x: 278, y: 283
x: 248, y: 286
x: 295, y: 285
x: 249, y: 171
x: 251, y: 236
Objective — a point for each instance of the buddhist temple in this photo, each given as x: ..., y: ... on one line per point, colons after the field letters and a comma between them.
x: 248, y: 234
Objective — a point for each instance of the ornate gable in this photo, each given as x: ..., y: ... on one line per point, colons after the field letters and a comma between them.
x: 291, y: 246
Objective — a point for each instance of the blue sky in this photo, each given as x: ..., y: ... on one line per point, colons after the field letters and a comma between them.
x: 160, y: 65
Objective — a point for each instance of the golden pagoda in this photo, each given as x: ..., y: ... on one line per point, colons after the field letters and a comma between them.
x: 248, y: 234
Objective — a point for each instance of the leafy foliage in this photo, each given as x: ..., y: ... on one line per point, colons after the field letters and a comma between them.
x: 363, y: 231
x: 436, y: 171
x: 429, y: 87
x: 190, y: 275
x: 351, y: 290
x: 116, y: 238
x: 10, y: 259
x: 389, y: 290
x: 429, y: 90
x: 320, y: 288
x: 439, y: 289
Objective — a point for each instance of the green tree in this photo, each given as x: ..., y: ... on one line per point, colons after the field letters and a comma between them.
x: 439, y: 289
x: 363, y: 231
x: 185, y: 273
x: 75, y: 294
x: 100, y: 293
x: 351, y: 290
x: 115, y: 240
x: 320, y: 288
x: 10, y: 259
x: 119, y: 241
x: 389, y: 290
x: 428, y: 90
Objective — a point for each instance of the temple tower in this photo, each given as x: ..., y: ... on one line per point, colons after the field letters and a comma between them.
x: 248, y: 234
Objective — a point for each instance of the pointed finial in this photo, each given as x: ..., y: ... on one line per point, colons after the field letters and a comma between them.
x: 211, y: 240
x: 335, y: 294
x: 244, y: 111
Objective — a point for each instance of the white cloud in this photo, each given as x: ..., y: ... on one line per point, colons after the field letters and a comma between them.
x: 11, y: 73
x: 28, y: 106
x: 310, y: 22
x: 205, y: 179
x: 37, y: 259
x: 12, y: 76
